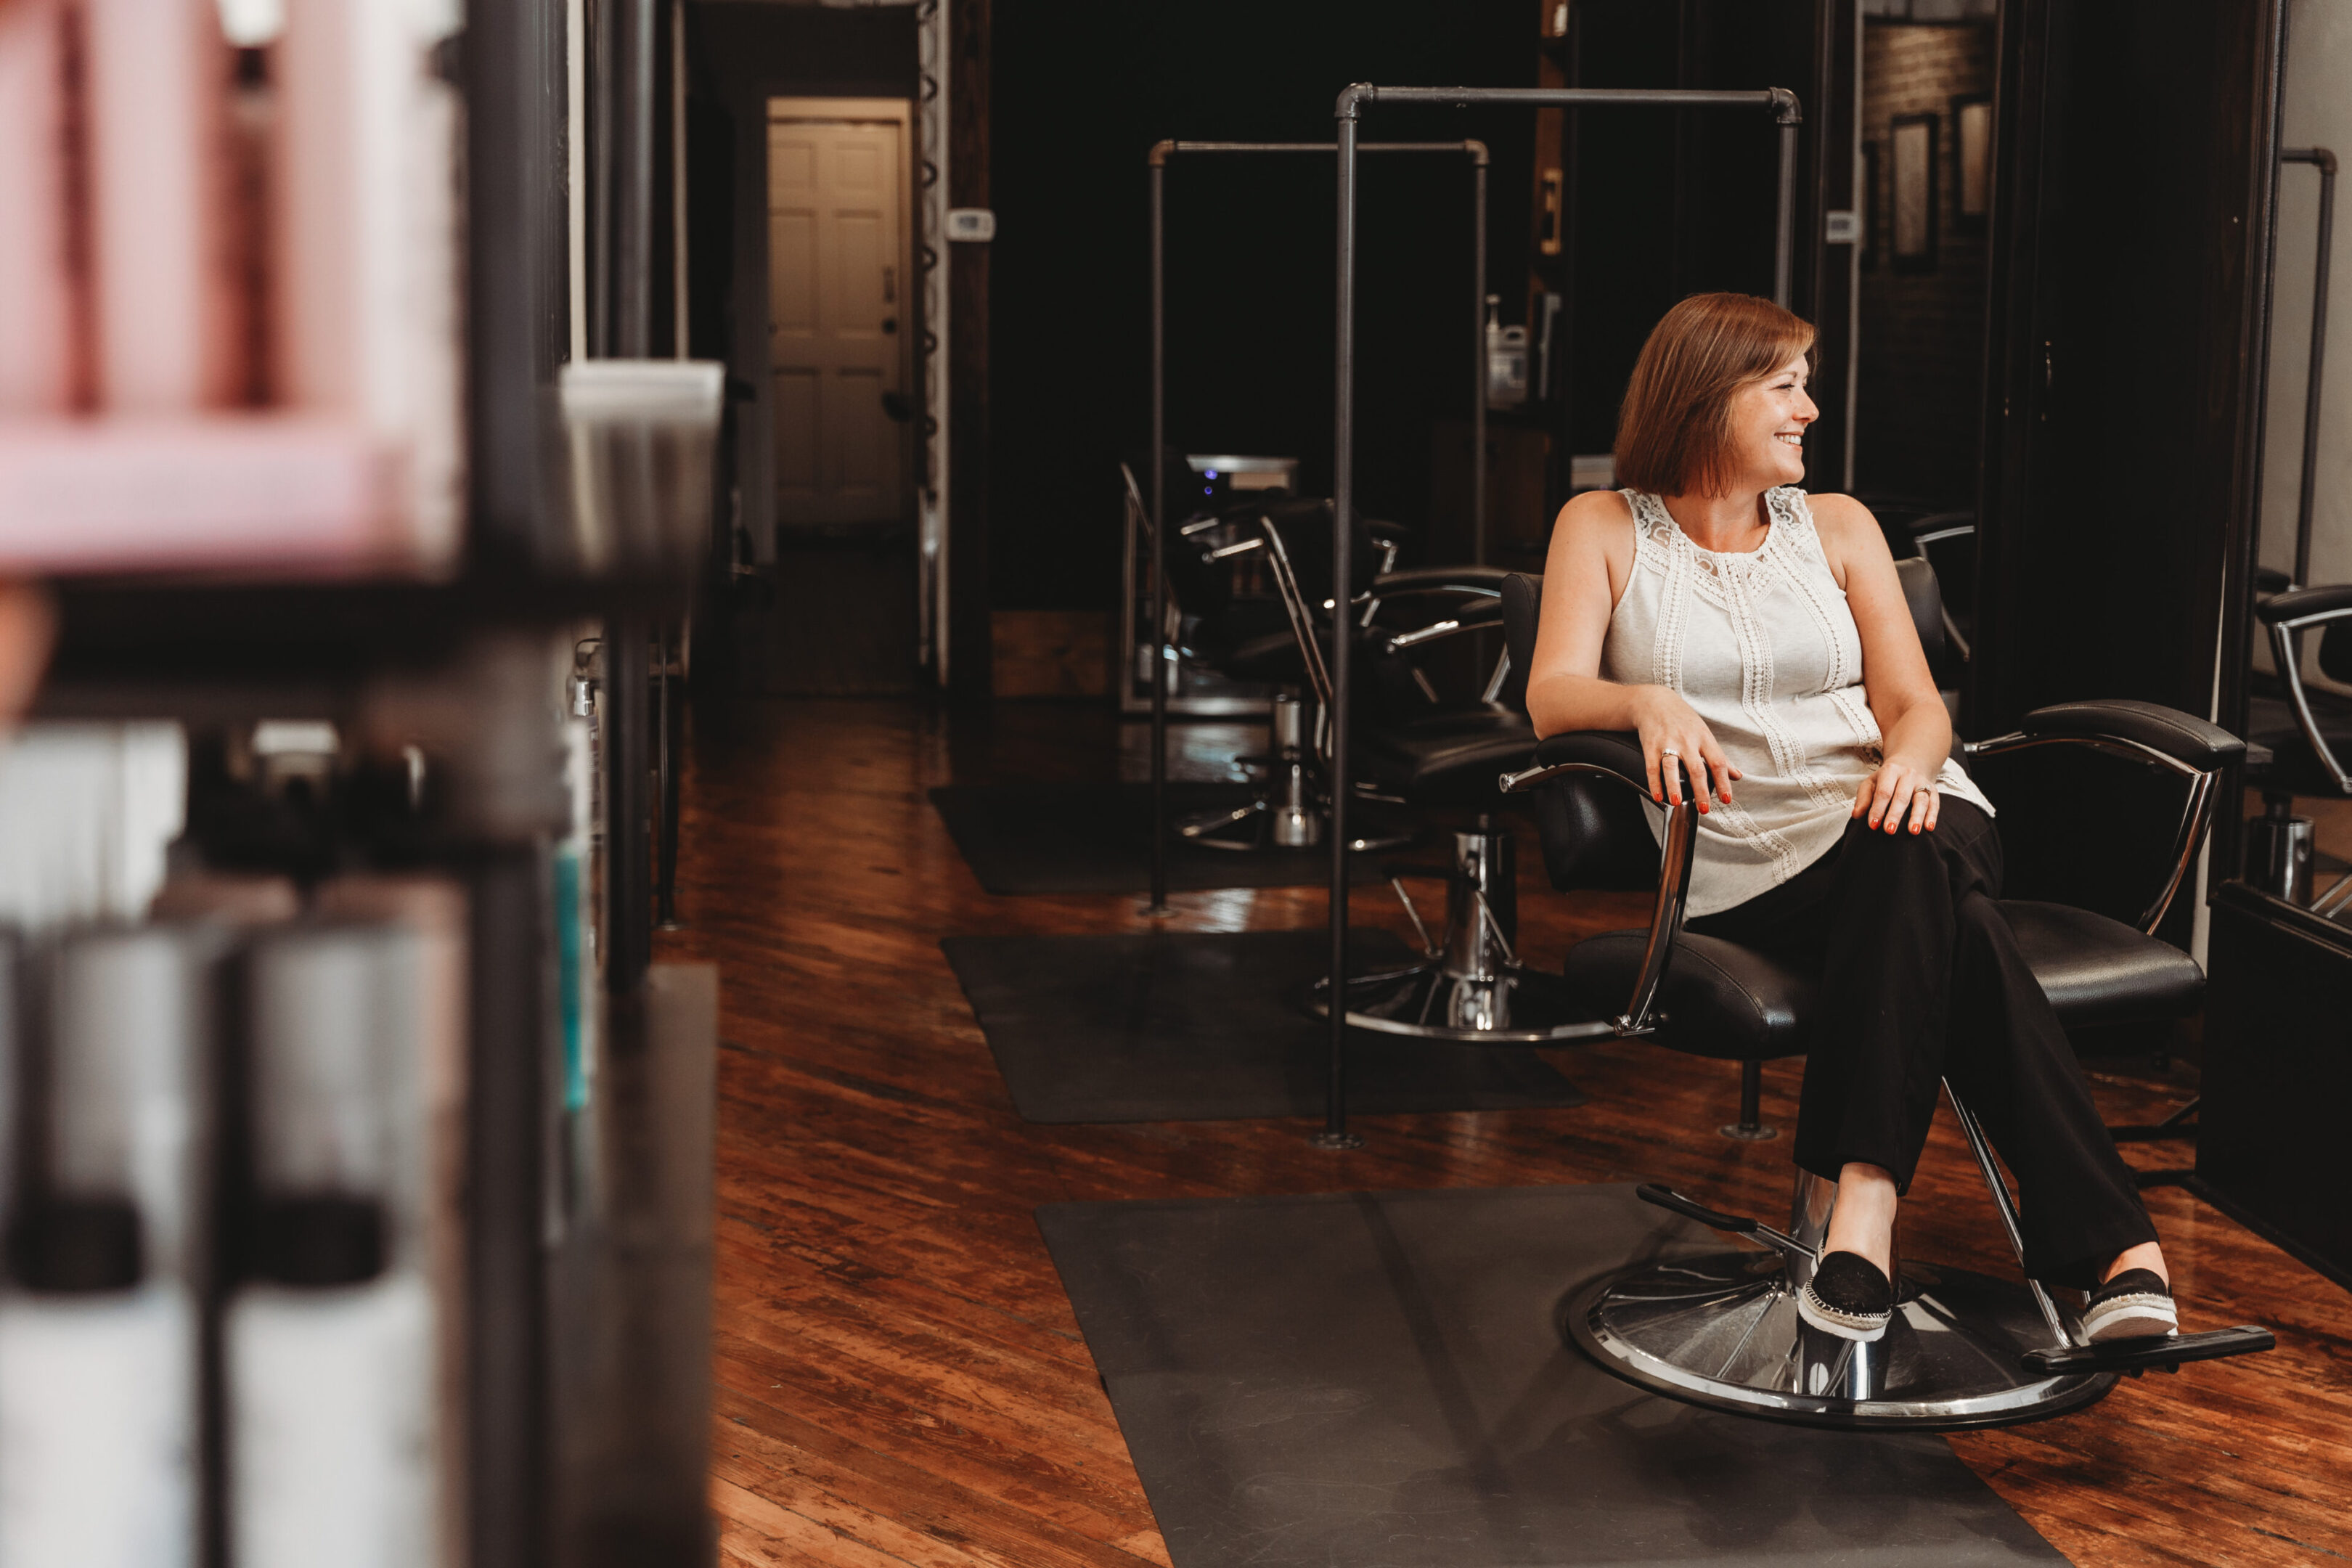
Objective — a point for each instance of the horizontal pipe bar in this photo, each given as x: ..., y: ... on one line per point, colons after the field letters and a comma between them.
x: 1162, y: 150
x: 1778, y: 99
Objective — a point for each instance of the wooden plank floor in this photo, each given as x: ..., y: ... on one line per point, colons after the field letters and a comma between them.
x: 900, y: 1378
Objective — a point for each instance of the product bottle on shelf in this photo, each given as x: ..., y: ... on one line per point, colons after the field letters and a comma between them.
x: 109, y: 1248
x: 329, y: 1339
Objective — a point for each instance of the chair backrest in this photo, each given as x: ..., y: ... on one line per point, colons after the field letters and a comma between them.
x: 1594, y: 834
x: 1588, y: 828
x: 1925, y: 597
x: 1202, y: 587
x: 1523, y: 604
x: 1303, y: 527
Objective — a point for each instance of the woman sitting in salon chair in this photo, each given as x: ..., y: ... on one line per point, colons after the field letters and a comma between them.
x: 1758, y: 640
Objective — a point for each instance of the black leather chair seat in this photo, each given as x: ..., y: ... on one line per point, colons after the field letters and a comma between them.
x: 1446, y: 759
x: 2100, y: 971
x: 1729, y: 1002
x: 1720, y: 999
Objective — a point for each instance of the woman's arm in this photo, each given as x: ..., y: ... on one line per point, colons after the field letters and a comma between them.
x: 1916, y: 732
x: 1585, y: 574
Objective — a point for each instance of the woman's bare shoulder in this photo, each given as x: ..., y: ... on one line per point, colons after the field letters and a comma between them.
x: 1843, y: 520
x: 1603, y: 515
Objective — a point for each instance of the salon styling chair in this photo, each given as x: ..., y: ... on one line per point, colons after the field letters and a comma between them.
x: 1250, y: 638
x: 1722, y: 1330
x: 2300, y: 744
x: 1412, y: 749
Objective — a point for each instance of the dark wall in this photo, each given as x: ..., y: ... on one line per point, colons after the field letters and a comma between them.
x: 811, y: 51
x: 1082, y: 90
x: 2131, y: 212
x: 1922, y: 340
x: 1668, y: 204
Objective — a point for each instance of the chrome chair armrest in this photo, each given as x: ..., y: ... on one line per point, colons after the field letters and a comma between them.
x: 1478, y: 582
x: 2183, y: 738
x: 2307, y: 606
x: 2289, y: 615
x: 1599, y: 754
x: 1482, y: 616
x: 2185, y: 746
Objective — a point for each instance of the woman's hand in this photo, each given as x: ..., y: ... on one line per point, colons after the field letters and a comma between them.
x: 1897, y: 790
x: 1670, y: 731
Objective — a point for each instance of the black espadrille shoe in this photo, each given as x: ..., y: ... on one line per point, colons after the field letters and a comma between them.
x: 1848, y: 1296
x: 2133, y: 1305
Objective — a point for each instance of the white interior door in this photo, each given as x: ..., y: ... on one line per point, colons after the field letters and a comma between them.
x: 839, y: 318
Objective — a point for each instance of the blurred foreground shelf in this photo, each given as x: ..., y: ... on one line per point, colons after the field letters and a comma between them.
x: 172, y: 648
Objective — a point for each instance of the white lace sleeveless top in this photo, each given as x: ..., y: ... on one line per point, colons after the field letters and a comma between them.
x: 1763, y: 648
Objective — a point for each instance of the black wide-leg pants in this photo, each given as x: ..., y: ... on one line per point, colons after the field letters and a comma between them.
x: 1922, y: 980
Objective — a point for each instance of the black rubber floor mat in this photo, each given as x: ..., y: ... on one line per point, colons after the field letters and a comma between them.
x: 1205, y: 1028
x: 1378, y: 1379
x: 1097, y: 838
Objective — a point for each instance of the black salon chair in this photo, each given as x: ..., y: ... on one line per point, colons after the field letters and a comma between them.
x: 1964, y: 1350
x: 1411, y: 747
x: 1250, y: 638
x: 2300, y: 743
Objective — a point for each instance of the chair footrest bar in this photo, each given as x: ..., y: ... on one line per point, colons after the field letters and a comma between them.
x: 1666, y: 1197
x: 2136, y: 1356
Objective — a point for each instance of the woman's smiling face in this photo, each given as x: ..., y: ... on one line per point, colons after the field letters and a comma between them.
x: 1767, y: 426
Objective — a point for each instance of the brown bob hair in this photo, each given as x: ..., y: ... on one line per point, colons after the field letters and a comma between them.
x: 1674, y: 433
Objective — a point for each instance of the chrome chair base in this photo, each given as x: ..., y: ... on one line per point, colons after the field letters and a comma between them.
x: 1264, y: 824
x: 1256, y: 827
x: 1722, y: 1331
x: 1473, y: 991
x: 1288, y: 810
x: 1511, y: 1007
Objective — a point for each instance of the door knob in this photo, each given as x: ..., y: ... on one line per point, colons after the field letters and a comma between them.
x: 890, y: 324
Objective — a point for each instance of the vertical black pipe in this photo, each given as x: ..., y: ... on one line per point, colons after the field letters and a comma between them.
x: 628, y: 192
x: 668, y: 711
x: 632, y: 189
x: 1335, y: 1135
x: 1479, y: 342
x: 600, y: 121
x: 2304, y: 500
x: 1158, y: 539
x: 507, y: 1103
x: 628, y: 818
x: 518, y: 330
x: 1560, y: 479
x: 1784, y: 238
x: 519, y: 311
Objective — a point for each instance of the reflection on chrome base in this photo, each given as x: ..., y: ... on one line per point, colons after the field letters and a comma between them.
x: 1722, y: 1331
x: 1510, y: 1006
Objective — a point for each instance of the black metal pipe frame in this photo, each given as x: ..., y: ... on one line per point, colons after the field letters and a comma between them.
x: 1782, y: 105
x: 2324, y: 160
x: 1157, y: 162
x: 625, y: 193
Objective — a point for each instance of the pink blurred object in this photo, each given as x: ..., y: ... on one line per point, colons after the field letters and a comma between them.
x: 36, y: 281
x: 258, y: 494
x: 364, y: 322
x: 164, y: 259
